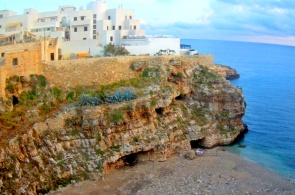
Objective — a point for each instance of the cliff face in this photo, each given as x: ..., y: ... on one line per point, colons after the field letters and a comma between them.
x: 182, y: 104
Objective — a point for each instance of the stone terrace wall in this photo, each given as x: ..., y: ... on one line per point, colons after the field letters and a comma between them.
x: 72, y: 73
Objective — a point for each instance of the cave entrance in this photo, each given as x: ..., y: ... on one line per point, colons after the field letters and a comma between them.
x: 131, y: 160
x: 180, y: 97
x: 160, y: 111
x: 15, y: 100
x: 196, y: 144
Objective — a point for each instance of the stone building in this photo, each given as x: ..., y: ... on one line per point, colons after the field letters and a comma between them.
x: 23, y: 59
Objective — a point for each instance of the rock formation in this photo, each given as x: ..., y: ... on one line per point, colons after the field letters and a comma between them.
x: 226, y: 71
x: 178, y: 104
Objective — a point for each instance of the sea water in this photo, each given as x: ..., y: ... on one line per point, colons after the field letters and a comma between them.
x: 267, y: 77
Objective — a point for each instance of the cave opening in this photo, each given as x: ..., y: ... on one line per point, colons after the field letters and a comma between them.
x: 15, y: 100
x: 160, y: 111
x: 180, y: 97
x: 131, y: 159
x: 196, y: 144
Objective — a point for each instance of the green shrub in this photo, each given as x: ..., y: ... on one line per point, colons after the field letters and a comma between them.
x: 98, y: 137
x: 115, y: 148
x: 70, y: 96
x: 99, y: 152
x: 115, y: 50
x: 75, y: 133
x: 87, y: 100
x: 153, y: 102
x: 117, y: 116
x: 56, y: 93
x: 10, y: 88
x: 44, y: 108
x: 42, y: 81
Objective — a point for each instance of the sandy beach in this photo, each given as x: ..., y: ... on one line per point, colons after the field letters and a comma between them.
x: 216, y: 172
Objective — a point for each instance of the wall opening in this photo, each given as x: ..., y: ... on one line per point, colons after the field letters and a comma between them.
x: 15, y: 100
x: 52, y: 56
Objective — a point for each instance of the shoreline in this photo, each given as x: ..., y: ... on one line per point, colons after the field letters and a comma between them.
x: 216, y: 172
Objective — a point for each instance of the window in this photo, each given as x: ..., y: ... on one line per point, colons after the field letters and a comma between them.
x: 1, y: 16
x: 14, y: 62
x: 94, y: 36
x: 94, y: 15
x: 84, y: 38
x: 0, y: 26
x: 52, y: 19
x: 130, y: 17
x: 120, y: 27
x: 94, y: 27
x: 75, y: 18
x: 107, y: 27
x: 94, y: 31
x: 109, y: 17
x: 111, y: 38
x: 82, y: 17
x: 75, y: 29
x: 42, y: 20
x: 48, y: 29
x: 134, y: 27
x: 94, y: 21
x: 114, y: 27
x: 2, y: 55
x: 125, y: 17
x: 130, y: 27
x: 85, y: 28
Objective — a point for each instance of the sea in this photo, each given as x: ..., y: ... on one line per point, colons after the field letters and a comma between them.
x: 267, y: 78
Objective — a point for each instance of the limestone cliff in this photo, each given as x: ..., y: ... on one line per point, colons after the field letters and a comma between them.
x: 180, y: 103
x: 226, y: 71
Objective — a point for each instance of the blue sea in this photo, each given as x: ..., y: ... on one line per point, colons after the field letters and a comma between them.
x: 267, y: 77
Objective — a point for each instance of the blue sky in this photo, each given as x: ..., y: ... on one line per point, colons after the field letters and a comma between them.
x: 270, y: 21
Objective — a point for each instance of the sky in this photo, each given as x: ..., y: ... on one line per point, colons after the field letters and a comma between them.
x: 268, y: 21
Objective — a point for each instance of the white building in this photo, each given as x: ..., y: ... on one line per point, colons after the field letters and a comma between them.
x: 87, y: 30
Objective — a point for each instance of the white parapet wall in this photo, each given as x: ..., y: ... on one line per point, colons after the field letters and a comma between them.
x: 83, y: 46
x: 153, y: 46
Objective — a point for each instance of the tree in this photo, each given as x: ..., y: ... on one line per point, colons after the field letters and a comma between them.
x: 115, y: 50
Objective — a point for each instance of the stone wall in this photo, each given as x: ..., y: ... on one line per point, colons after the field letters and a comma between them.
x: 71, y: 73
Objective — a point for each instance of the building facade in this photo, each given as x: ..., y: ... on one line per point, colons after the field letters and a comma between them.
x: 83, y: 30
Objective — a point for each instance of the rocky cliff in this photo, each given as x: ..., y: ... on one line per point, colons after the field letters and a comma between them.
x: 226, y: 71
x: 177, y: 104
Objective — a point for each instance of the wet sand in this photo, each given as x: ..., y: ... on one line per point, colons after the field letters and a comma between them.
x: 216, y: 172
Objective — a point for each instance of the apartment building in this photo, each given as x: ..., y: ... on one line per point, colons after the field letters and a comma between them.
x: 84, y: 30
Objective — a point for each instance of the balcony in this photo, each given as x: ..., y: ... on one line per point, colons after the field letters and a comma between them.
x: 81, y: 23
x: 45, y: 24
